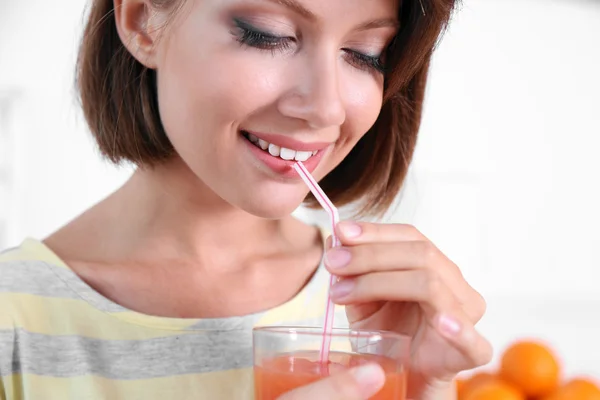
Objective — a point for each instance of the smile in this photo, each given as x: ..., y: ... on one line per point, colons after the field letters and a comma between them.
x: 278, y: 151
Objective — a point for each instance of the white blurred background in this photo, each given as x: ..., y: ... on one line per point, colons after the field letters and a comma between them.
x: 505, y: 178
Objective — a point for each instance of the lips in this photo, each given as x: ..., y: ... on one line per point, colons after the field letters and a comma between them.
x: 280, y: 152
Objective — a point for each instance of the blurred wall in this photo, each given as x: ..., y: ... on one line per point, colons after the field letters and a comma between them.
x: 55, y: 169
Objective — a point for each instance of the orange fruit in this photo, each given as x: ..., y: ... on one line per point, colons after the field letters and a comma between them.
x: 459, y: 384
x: 494, y: 390
x: 472, y: 382
x: 532, y: 367
x: 577, y: 389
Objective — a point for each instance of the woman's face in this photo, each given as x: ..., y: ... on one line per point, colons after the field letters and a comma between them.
x: 303, y: 76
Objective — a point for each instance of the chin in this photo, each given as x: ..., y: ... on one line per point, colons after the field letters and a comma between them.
x: 271, y: 207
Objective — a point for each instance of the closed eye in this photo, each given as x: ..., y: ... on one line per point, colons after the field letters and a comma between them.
x: 248, y: 35
x: 364, y: 61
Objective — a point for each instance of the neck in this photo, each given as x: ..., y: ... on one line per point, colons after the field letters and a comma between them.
x: 168, y: 213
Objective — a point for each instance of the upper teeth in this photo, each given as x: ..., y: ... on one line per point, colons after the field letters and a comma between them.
x: 282, y: 152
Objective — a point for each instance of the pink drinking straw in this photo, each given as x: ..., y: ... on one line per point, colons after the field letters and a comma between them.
x: 334, y: 216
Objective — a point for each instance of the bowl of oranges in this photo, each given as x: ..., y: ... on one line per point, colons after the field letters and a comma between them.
x: 528, y: 370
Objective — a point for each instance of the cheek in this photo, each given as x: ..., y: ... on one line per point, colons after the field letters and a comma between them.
x: 214, y: 86
x: 364, y: 99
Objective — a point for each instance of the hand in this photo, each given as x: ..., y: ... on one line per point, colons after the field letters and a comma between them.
x: 352, y: 384
x: 393, y: 278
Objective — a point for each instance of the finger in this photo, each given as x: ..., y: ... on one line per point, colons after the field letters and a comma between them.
x: 378, y: 257
x: 440, y: 306
x: 397, y: 256
x: 472, y: 349
x: 422, y: 286
x: 353, y: 384
x: 350, y: 232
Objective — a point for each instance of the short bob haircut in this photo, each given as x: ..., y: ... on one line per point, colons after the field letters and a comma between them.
x: 119, y: 100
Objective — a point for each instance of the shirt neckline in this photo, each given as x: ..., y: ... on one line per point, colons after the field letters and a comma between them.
x: 39, y: 251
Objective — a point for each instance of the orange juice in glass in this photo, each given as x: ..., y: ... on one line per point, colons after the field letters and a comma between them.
x: 286, y: 358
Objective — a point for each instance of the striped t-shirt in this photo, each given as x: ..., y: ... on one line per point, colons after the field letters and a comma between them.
x: 60, y: 339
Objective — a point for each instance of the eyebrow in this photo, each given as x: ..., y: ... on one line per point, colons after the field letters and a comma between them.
x: 379, y: 23
x: 297, y: 8
x: 309, y: 15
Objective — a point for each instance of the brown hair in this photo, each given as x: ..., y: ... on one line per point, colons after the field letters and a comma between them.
x: 119, y: 101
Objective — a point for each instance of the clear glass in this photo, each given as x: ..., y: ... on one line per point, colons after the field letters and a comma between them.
x: 287, y: 357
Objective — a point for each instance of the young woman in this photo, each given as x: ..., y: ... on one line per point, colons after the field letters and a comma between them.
x: 153, y: 292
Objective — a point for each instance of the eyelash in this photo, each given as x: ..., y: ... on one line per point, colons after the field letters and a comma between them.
x: 250, y: 36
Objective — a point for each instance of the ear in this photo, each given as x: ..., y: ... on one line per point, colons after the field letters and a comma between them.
x: 135, y: 21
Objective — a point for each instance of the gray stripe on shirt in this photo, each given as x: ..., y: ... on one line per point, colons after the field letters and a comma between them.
x: 47, y: 280
x: 34, y: 277
x: 70, y: 356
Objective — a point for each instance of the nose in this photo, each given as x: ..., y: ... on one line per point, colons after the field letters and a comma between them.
x: 315, y: 95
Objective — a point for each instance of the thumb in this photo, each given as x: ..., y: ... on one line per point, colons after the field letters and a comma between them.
x: 353, y: 384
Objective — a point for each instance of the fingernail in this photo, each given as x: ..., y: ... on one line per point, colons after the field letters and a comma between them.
x: 350, y: 229
x: 337, y: 257
x: 449, y: 326
x: 342, y: 289
x: 370, y: 379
